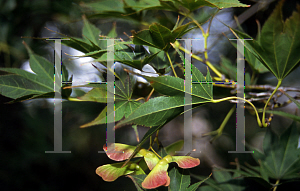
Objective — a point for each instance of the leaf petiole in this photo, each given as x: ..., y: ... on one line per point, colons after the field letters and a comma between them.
x: 219, y: 131
x: 264, y: 112
x: 229, y: 98
x: 201, y: 60
x: 171, y: 64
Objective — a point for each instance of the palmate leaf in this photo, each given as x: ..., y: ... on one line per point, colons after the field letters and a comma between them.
x: 171, y: 86
x: 254, y: 63
x: 225, y: 181
x: 148, y: 134
x: 23, y: 83
x: 90, y: 32
x: 160, y: 109
x: 281, y: 157
x: 155, y: 111
x: 124, y: 106
x: 159, y: 36
x: 279, y: 44
x: 136, y: 57
x: 90, y: 41
x: 160, y: 60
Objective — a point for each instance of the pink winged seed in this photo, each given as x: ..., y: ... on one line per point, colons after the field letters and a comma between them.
x: 127, y: 150
x: 186, y: 161
x: 151, y: 159
x: 111, y: 172
x: 157, y: 177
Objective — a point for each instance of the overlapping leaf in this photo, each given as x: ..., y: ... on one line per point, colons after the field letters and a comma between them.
x: 180, y: 179
x: 121, y: 10
x: 195, y: 4
x: 279, y: 44
x: 281, y: 157
x: 254, y: 62
x: 159, y: 36
x: 160, y: 60
x: 90, y: 42
x: 201, y: 88
x: 136, y: 57
x: 124, y: 106
x: 160, y: 109
x: 105, y: 9
x: 155, y: 111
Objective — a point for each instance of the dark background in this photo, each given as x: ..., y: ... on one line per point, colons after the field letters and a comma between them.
x: 26, y: 132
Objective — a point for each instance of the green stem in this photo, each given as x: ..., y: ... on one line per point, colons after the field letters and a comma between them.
x: 196, y: 22
x: 277, y: 182
x: 222, y: 126
x: 150, y: 94
x: 181, y: 21
x: 219, y: 131
x: 156, y: 153
x: 264, y: 112
x: 205, y: 36
x: 156, y: 138
x: 140, y: 99
x: 171, y: 64
x: 252, y: 77
x: 201, y: 60
x: 229, y: 98
x: 74, y: 99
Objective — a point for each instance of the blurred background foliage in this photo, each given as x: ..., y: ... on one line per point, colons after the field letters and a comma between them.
x: 26, y: 129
